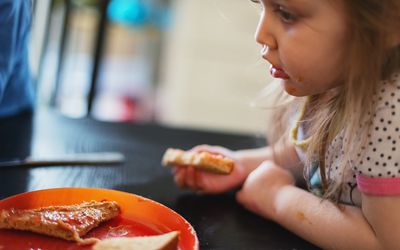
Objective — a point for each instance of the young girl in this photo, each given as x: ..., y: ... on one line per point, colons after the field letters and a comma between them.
x: 340, y: 60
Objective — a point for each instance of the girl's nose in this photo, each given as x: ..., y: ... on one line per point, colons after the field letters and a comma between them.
x: 265, y: 33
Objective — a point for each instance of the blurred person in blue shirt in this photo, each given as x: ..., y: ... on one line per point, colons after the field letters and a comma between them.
x: 16, y: 88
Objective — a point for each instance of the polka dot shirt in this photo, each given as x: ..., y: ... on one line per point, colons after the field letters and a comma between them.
x: 376, y: 169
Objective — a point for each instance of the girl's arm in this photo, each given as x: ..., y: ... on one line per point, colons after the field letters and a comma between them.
x: 269, y: 192
x: 283, y: 153
x: 323, y: 223
x: 382, y: 212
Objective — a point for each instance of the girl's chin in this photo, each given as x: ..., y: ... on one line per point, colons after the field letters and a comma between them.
x: 291, y: 90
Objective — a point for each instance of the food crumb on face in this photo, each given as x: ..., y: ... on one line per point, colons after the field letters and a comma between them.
x: 290, y: 90
x: 300, y: 79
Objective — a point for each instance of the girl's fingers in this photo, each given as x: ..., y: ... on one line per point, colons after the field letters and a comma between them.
x: 191, y: 177
x: 201, y: 182
x: 201, y: 147
x: 239, y: 196
x: 185, y: 177
x: 213, y: 149
x: 179, y: 176
x: 174, y: 170
x: 208, y: 148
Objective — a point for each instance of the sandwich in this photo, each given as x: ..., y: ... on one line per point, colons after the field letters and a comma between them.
x: 69, y: 222
x: 168, y: 241
x: 207, y: 161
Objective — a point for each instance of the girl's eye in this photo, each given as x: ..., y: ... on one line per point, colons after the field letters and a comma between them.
x: 257, y: 2
x: 286, y: 16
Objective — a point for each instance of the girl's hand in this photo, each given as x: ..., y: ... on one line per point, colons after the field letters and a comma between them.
x: 261, y: 187
x: 189, y: 177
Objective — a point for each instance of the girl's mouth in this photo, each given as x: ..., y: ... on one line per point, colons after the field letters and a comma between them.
x: 278, y: 72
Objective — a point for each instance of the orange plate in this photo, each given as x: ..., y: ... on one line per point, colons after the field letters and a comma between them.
x: 139, y: 216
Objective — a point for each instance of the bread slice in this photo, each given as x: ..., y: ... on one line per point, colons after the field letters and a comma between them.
x: 168, y: 241
x: 66, y: 222
x: 214, y: 163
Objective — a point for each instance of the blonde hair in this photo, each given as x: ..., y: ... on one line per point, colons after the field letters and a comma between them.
x: 372, y: 57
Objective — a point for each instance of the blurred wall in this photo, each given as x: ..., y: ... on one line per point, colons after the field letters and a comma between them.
x: 212, y: 68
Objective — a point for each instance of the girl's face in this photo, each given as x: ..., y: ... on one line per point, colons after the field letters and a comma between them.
x: 305, y: 43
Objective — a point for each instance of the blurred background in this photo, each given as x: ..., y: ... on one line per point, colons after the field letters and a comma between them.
x: 183, y: 63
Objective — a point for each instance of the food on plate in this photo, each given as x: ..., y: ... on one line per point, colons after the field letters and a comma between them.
x: 206, y: 161
x: 69, y: 222
x: 168, y: 241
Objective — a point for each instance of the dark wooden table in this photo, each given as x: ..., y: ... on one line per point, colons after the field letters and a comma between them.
x: 219, y: 221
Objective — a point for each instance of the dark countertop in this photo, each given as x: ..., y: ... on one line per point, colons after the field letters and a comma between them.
x: 219, y: 221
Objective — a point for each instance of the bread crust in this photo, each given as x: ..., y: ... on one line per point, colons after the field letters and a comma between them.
x: 214, y: 163
x: 168, y: 241
x: 65, y: 222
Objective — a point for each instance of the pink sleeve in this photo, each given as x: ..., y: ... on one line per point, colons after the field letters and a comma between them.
x: 378, y: 186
